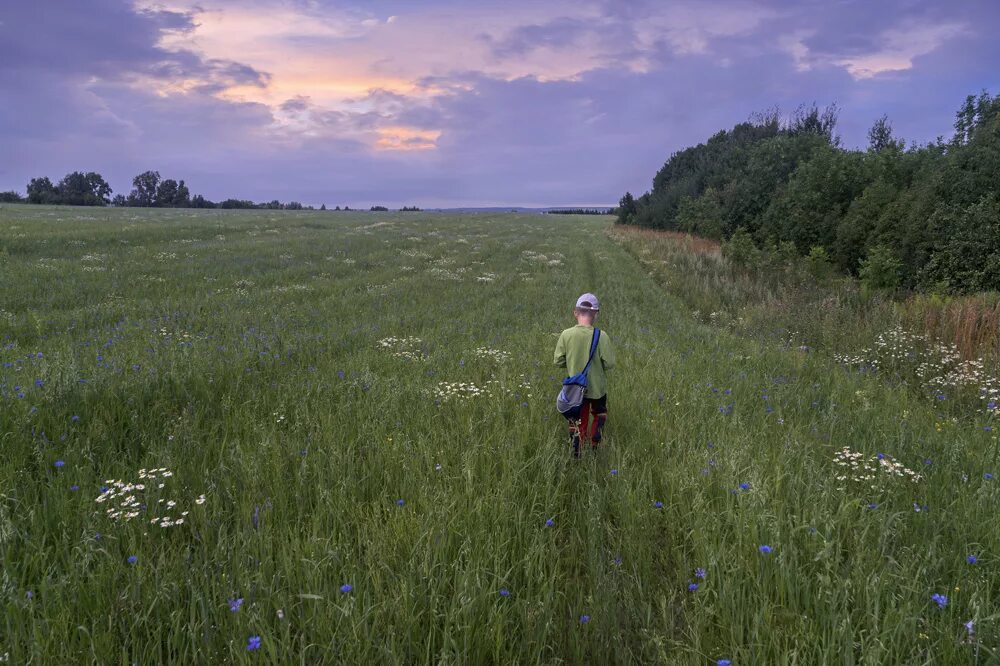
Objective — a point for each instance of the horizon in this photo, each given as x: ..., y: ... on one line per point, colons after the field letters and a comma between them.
x: 439, y: 104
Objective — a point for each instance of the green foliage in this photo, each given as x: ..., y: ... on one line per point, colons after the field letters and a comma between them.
x: 881, y: 268
x: 741, y: 249
x: 792, y: 182
x: 701, y: 215
x: 626, y: 209
x: 968, y: 259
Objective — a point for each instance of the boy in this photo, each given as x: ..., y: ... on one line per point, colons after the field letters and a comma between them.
x: 572, y: 352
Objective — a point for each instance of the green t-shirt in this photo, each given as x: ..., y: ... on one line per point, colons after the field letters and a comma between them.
x: 572, y: 352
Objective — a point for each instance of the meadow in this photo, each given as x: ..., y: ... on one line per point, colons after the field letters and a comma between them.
x: 315, y: 437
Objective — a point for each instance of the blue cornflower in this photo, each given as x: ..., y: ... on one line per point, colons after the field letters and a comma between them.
x: 253, y: 643
x: 692, y: 586
x: 744, y: 486
x: 39, y: 383
x: 723, y: 662
x: 988, y: 475
x: 346, y: 587
x: 968, y: 626
x: 504, y: 592
x: 38, y: 355
x: 584, y: 619
x: 873, y: 505
x: 928, y: 461
x: 971, y: 559
x: 59, y: 463
x: 765, y: 548
x: 549, y: 522
x: 658, y: 504
x: 617, y: 561
x: 341, y: 374
x: 991, y: 405
x: 614, y: 472
x: 74, y: 418
x: 940, y: 600
x: 132, y: 559
x: 880, y: 456
x: 699, y: 573
x: 400, y: 502
x: 234, y: 604
x: 74, y: 487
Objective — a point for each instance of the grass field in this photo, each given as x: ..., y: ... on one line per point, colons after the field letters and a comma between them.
x: 349, y: 420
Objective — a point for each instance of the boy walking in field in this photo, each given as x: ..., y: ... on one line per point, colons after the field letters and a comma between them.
x: 572, y: 352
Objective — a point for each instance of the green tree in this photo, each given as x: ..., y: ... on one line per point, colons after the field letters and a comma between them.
x: 626, y: 209
x: 881, y: 268
x: 144, y: 189
x: 42, y: 191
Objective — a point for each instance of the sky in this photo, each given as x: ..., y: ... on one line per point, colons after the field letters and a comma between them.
x: 442, y: 103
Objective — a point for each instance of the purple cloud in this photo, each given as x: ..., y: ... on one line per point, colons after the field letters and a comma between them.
x: 95, y: 85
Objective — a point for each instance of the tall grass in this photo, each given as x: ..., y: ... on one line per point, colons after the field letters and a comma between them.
x: 243, y: 352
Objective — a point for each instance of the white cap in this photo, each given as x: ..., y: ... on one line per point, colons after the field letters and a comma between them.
x: 588, y: 302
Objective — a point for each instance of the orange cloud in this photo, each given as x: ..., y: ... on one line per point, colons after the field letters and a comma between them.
x: 406, y: 138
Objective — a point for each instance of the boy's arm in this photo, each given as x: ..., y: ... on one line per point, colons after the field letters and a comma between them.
x: 607, y: 352
x: 560, y: 356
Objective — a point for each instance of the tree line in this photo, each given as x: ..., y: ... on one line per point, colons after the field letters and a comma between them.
x: 923, y: 217
x: 149, y: 190
x: 581, y: 211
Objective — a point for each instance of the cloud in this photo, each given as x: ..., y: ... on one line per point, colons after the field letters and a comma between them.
x: 890, y: 50
x: 443, y: 102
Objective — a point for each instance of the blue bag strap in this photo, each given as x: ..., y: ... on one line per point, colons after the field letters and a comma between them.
x: 593, y: 348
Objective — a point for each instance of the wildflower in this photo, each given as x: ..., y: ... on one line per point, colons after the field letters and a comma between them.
x: 253, y: 643
x: 968, y: 626
x: 346, y: 587
x: 658, y: 504
x: 74, y: 487
x: 400, y: 502
x: 234, y: 604
x: 617, y: 561
x: 699, y: 573
x: 549, y: 522
x: 584, y: 619
x: 765, y: 548
x: 692, y: 586
x: 971, y: 559
x: 614, y: 472
x: 60, y: 463
x: 873, y: 505
x: 132, y: 559
x: 744, y: 486
x: 723, y: 662
x: 504, y: 592
x: 988, y: 476
x: 940, y: 600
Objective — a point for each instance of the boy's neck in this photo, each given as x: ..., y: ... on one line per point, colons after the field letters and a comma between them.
x: 580, y: 321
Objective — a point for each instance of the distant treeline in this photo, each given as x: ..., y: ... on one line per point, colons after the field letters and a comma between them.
x: 919, y: 217
x: 149, y: 190
x: 582, y: 211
